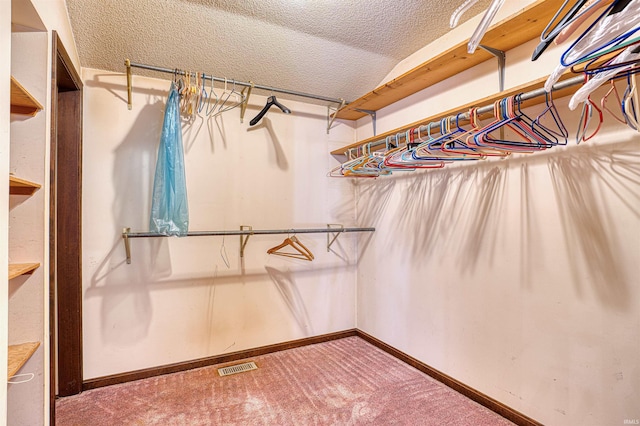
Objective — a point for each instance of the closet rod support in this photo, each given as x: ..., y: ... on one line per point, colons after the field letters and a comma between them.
x: 127, y: 246
x: 335, y: 230
x: 502, y: 62
x: 243, y: 107
x: 244, y: 238
x: 372, y: 113
x: 127, y: 63
x: 332, y: 112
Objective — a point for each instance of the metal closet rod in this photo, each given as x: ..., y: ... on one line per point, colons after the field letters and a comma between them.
x: 231, y: 81
x: 128, y: 234
x: 245, y: 232
x: 488, y: 108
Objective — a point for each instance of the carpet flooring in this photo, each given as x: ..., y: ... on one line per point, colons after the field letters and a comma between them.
x: 341, y: 382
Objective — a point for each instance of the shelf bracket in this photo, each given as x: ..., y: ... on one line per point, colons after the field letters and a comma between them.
x: 127, y: 246
x: 244, y: 238
x: 243, y: 107
x: 502, y: 59
x: 332, y: 112
x: 373, y: 117
x: 127, y: 63
x: 333, y: 235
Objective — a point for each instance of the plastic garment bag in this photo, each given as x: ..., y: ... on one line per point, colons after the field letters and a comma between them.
x: 169, y: 208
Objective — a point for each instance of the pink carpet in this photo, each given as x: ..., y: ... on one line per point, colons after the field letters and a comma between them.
x: 341, y: 382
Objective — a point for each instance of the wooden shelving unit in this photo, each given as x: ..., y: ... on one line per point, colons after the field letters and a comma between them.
x: 505, y: 35
x: 17, y: 269
x: 19, y: 355
x: 19, y: 186
x: 533, y: 85
x: 21, y: 100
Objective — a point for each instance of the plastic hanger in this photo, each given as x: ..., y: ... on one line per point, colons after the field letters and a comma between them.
x: 630, y: 103
x: 585, y: 119
x: 613, y: 29
x: 477, y: 35
x: 613, y: 90
x: 457, y: 14
x: 402, y: 157
x: 239, y: 99
x: 301, y: 252
x: 587, y: 11
x: 550, y: 110
x: 271, y: 101
x: 551, y: 32
x: 211, y: 104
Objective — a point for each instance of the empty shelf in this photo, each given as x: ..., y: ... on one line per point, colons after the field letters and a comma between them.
x: 17, y: 269
x: 19, y: 186
x: 19, y: 355
x: 21, y: 101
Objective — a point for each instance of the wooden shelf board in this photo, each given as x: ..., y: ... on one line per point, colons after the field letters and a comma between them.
x: 505, y: 35
x: 19, y: 186
x: 17, y: 269
x: 19, y: 355
x: 533, y: 85
x: 21, y: 100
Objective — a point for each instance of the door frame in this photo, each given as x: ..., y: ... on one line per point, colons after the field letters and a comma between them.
x: 65, y: 227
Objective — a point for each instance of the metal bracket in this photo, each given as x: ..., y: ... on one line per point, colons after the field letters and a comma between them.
x: 502, y: 59
x: 127, y: 247
x: 243, y: 107
x: 244, y: 238
x: 332, y: 112
x: 373, y: 117
x: 127, y: 63
x: 333, y: 235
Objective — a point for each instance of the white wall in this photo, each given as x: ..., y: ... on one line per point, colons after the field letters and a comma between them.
x: 5, y: 141
x: 517, y: 277
x: 177, y: 300
x: 28, y: 231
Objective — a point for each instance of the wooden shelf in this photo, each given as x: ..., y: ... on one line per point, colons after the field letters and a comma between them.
x: 21, y: 101
x: 19, y: 186
x: 533, y: 85
x: 17, y: 269
x: 505, y: 35
x: 19, y: 355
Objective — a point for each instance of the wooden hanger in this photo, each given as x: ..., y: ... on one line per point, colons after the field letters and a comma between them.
x: 302, y: 252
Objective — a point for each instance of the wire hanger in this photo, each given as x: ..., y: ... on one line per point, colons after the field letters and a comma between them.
x: 271, y: 100
x: 301, y: 252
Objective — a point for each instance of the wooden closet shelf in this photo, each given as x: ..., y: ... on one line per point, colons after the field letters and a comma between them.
x: 533, y: 85
x: 21, y: 100
x: 19, y: 186
x: 505, y: 35
x: 17, y: 269
x: 19, y: 355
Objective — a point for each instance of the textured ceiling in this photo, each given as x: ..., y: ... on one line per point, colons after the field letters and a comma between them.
x: 335, y: 48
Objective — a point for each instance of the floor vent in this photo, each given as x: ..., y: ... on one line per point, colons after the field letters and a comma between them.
x: 238, y: 368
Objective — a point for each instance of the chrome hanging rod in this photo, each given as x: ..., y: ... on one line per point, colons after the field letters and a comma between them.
x: 128, y: 234
x: 488, y: 108
x: 130, y: 64
x: 245, y: 232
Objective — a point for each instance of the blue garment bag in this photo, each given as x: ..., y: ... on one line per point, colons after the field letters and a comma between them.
x: 169, y: 207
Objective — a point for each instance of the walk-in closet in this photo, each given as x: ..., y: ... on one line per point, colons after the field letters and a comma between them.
x: 320, y: 212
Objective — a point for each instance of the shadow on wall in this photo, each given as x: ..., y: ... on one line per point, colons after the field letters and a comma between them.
x: 125, y: 316
x: 581, y: 182
x: 461, y: 211
x: 291, y: 296
x: 281, y: 158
